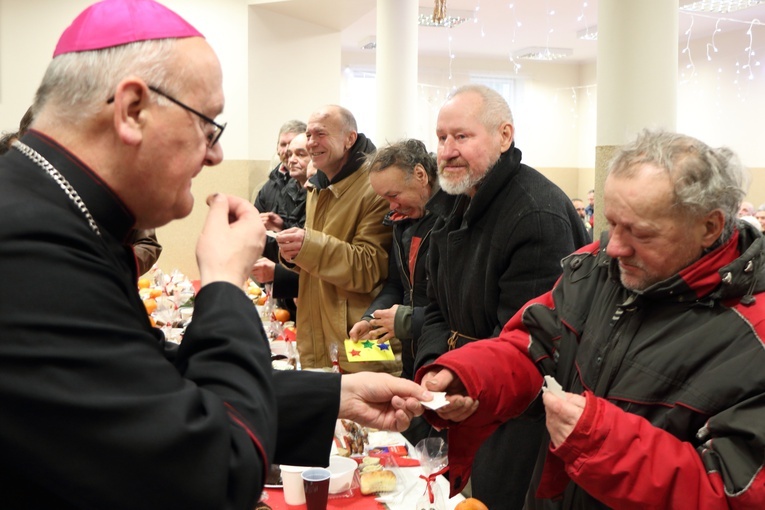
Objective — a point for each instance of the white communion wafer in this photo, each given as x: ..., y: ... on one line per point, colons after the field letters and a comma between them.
x: 439, y: 400
x: 553, y: 386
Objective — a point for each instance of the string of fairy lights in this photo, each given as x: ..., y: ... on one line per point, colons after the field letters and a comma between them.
x: 709, y: 48
x: 750, y: 60
x: 517, y: 24
x: 742, y: 68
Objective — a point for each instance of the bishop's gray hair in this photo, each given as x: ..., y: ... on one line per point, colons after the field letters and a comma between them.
x: 77, y: 85
x: 704, y: 178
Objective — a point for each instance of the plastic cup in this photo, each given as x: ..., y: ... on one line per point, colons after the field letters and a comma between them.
x: 316, y: 488
x: 292, y: 484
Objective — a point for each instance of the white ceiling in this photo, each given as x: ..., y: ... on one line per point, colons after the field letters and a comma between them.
x: 500, y: 28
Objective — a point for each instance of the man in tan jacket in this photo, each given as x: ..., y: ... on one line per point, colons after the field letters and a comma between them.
x: 342, y: 253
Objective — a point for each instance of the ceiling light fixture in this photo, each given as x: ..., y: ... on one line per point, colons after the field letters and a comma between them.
x: 452, y: 19
x: 542, y: 53
x: 721, y: 6
x: 588, y: 34
x: 368, y: 43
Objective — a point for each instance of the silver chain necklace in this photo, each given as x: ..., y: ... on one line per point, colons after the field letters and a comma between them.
x: 60, y: 180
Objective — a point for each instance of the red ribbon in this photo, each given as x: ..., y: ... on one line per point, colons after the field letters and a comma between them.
x: 429, y: 481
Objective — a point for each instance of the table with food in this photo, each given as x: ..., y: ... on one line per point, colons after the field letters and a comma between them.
x: 370, y: 469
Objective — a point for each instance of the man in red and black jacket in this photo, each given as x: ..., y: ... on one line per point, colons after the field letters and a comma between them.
x: 655, y: 334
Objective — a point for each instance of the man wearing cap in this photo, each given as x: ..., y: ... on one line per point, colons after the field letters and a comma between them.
x: 97, y: 411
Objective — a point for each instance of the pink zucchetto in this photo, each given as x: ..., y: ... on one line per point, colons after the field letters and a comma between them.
x: 116, y: 22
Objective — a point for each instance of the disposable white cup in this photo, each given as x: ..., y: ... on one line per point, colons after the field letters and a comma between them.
x: 292, y: 482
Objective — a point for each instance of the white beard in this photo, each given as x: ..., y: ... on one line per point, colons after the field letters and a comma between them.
x: 463, y: 184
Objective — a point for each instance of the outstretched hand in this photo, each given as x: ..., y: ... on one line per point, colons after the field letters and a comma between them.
x: 461, y: 405
x: 380, y: 400
x: 232, y: 239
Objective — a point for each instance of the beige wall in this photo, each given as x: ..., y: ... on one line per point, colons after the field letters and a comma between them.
x: 756, y: 193
x: 178, y: 239
x: 575, y: 182
x: 294, y: 68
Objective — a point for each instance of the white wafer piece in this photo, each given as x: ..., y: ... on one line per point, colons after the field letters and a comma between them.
x: 439, y: 400
x: 554, y: 386
x: 271, y: 233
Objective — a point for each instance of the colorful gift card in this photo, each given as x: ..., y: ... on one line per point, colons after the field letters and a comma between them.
x: 368, y: 350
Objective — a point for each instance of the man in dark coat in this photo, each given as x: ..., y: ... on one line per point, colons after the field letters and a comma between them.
x: 269, y: 198
x: 98, y: 411
x: 654, y: 336
x: 502, y: 232
x: 405, y: 175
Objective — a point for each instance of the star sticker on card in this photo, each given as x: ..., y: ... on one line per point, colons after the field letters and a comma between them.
x: 359, y: 351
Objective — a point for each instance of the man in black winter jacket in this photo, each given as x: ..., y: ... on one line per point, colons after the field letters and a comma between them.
x: 502, y: 232
x: 405, y: 175
x: 654, y: 334
x: 269, y: 197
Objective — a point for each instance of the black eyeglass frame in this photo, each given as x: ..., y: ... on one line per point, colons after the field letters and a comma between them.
x: 212, y: 139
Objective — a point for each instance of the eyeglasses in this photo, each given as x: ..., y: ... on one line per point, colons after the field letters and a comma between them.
x: 212, y: 138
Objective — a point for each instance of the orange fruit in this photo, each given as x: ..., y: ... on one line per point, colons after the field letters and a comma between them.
x: 150, y: 305
x: 262, y: 299
x: 144, y: 283
x: 155, y: 293
x: 282, y: 315
x: 471, y: 504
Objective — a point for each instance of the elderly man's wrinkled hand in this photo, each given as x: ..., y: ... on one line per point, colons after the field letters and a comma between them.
x: 461, y: 405
x: 290, y: 242
x: 360, y: 330
x: 382, y: 325
x: 562, y: 415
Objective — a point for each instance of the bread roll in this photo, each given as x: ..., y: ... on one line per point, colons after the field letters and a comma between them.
x: 377, y: 481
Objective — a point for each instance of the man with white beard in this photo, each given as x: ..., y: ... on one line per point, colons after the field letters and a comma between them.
x: 502, y: 231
